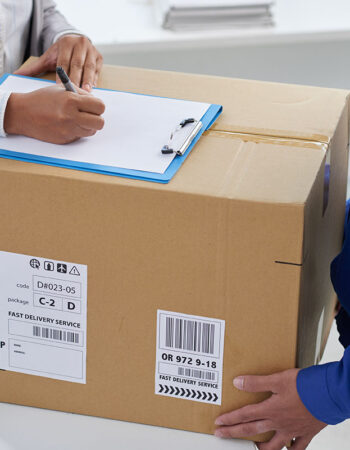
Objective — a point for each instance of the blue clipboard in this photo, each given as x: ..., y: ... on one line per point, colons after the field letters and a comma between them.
x: 207, y: 120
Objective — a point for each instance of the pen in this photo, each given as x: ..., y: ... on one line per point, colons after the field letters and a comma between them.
x: 65, y: 79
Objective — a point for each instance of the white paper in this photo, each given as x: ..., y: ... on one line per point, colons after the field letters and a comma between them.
x: 136, y: 128
x: 189, y: 357
x: 43, y: 317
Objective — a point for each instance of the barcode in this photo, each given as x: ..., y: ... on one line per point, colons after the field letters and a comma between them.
x: 55, y: 334
x: 196, y: 373
x: 190, y: 335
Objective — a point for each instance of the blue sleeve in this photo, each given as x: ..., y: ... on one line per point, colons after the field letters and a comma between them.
x: 347, y: 219
x: 325, y: 390
x: 340, y: 269
x: 343, y: 325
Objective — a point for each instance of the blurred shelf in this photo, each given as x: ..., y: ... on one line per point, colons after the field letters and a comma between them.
x: 127, y: 25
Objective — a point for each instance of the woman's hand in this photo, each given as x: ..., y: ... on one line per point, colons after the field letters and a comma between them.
x: 54, y: 115
x: 76, y: 54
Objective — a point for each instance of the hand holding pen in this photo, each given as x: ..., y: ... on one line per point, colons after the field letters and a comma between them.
x: 53, y: 114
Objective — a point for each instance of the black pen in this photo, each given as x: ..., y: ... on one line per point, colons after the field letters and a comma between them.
x: 65, y: 79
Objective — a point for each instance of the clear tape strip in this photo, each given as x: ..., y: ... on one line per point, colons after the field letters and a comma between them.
x: 277, y: 140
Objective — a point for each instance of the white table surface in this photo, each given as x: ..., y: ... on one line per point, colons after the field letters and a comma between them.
x: 23, y: 428
x: 131, y: 24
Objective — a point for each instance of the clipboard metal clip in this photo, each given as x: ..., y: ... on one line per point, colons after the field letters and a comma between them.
x: 182, y: 137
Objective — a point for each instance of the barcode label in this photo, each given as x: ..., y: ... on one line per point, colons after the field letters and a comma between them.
x: 56, y: 335
x: 190, y: 335
x: 189, y: 357
x: 45, y: 329
x: 195, y: 373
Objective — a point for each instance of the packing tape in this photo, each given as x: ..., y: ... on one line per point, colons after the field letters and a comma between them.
x: 277, y: 140
x: 287, y: 141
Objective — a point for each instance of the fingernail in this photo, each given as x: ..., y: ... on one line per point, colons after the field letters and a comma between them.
x: 219, y: 422
x: 238, y: 383
x: 87, y: 87
x: 219, y: 433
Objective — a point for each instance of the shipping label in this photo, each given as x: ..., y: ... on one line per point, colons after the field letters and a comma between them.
x: 189, y: 357
x: 43, y: 317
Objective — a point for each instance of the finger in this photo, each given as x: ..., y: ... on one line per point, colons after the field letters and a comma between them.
x: 90, y: 67
x: 63, y: 59
x: 278, y: 442
x: 77, y: 89
x: 91, y: 121
x: 99, y: 64
x: 246, y: 414
x: 80, y: 91
x: 77, y: 62
x: 301, y: 443
x: 85, y: 132
x: 79, y: 132
x: 254, y: 383
x: 244, y: 430
x: 35, y: 68
x: 91, y: 104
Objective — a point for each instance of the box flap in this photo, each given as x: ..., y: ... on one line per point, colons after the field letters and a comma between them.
x: 221, y: 166
x: 272, y: 109
x: 276, y: 156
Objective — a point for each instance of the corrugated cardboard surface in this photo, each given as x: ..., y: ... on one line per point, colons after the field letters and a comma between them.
x: 322, y: 241
x: 277, y: 110
x: 233, y: 236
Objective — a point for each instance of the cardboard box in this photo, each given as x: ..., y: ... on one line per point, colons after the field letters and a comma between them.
x: 244, y: 233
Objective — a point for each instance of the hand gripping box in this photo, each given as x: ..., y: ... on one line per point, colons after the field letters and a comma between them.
x: 139, y: 301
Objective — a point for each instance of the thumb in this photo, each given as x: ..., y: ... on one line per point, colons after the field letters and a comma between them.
x: 254, y: 383
x: 37, y: 67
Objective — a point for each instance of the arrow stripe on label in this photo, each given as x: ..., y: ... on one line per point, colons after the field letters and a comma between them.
x: 188, y: 393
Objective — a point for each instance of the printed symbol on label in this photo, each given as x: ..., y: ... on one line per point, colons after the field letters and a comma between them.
x: 61, y: 268
x: 72, y: 306
x: 2, y: 344
x: 48, y: 265
x: 74, y: 271
x: 34, y: 263
x: 188, y: 393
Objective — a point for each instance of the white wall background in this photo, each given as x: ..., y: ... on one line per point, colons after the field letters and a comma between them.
x: 309, y: 44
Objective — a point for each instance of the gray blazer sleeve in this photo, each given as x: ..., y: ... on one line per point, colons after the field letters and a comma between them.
x: 47, y: 22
